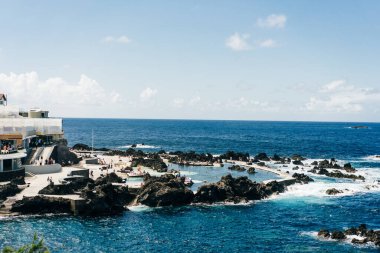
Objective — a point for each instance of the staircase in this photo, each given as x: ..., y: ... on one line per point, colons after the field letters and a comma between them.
x: 44, y: 152
x: 30, y: 156
x: 36, y: 155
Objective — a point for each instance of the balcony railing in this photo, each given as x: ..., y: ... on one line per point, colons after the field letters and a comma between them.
x: 6, y: 152
x: 30, y: 126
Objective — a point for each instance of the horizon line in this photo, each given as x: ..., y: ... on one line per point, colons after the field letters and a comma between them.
x: 248, y: 120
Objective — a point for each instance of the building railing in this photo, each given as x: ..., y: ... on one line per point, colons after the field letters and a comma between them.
x: 6, y: 152
x: 30, y: 126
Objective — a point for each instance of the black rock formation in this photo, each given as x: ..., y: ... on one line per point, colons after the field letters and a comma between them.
x: 236, y: 190
x: 166, y: 190
x: 302, y: 178
x: 333, y: 191
x: 41, y: 205
x: 8, y: 190
x: 236, y: 168
x: 262, y: 157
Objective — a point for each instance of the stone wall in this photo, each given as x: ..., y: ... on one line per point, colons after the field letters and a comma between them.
x: 9, y: 175
x: 44, y: 169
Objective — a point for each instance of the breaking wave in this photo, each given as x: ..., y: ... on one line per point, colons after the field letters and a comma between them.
x: 140, y: 146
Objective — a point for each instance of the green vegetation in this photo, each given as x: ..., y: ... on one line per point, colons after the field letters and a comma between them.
x: 37, y: 246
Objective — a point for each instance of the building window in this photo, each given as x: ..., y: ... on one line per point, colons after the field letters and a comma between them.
x: 7, y: 165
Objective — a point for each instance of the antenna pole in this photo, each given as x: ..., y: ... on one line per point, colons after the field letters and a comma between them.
x: 92, y: 142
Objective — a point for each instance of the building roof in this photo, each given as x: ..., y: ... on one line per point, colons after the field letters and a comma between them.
x: 3, y: 97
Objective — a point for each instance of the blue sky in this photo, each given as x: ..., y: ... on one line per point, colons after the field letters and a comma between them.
x: 252, y: 60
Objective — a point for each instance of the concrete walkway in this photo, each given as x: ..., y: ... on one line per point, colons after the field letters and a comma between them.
x: 264, y: 168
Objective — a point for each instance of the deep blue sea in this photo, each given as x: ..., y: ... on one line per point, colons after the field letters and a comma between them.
x: 284, y: 224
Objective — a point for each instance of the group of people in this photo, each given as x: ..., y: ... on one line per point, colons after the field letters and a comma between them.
x: 50, y: 180
x: 38, y: 142
x: 8, y: 147
x: 40, y: 161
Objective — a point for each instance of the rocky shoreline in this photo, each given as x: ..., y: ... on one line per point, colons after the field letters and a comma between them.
x: 100, y: 197
x: 108, y: 195
x: 356, y: 235
x: 105, y: 196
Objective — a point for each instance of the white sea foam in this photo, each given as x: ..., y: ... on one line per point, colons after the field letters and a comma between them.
x: 140, y: 208
x: 347, y: 240
x: 318, y: 189
x: 373, y: 158
x: 226, y: 203
x: 141, y: 146
x: 322, y: 183
x: 188, y: 173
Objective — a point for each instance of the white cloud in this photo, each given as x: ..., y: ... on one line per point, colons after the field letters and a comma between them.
x: 246, y: 104
x: 238, y: 42
x: 178, y: 102
x: 268, y: 43
x: 122, y: 39
x: 272, y: 21
x: 338, y: 96
x: 337, y: 85
x: 147, y: 94
x: 28, y: 89
x: 194, y: 101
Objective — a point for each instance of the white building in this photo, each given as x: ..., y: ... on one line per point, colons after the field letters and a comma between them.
x: 22, y: 130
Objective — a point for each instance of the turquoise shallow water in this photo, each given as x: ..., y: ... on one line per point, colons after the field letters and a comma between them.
x: 283, y: 224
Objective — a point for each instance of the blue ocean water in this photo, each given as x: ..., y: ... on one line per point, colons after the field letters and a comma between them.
x: 312, y: 139
x: 283, y: 224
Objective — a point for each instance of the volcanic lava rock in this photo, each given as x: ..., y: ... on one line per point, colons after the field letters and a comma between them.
x: 166, y: 190
x: 338, y: 235
x: 298, y: 157
x: 302, y: 178
x: 156, y: 163
x: 348, y: 167
x: 297, y: 162
x: 333, y: 191
x: 337, y: 174
x: 262, y: 157
x: 81, y: 146
x: 357, y: 241
x: 191, y: 157
x: 41, y: 205
x: 105, y: 199
x: 8, y: 190
x: 273, y: 187
x: 63, y: 189
x: 62, y: 155
x: 109, y: 178
x: 324, y: 233
x: 276, y: 158
x: 237, y: 156
x: 235, y: 190
x: 362, y: 231
x: 236, y: 167
x: 251, y: 170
